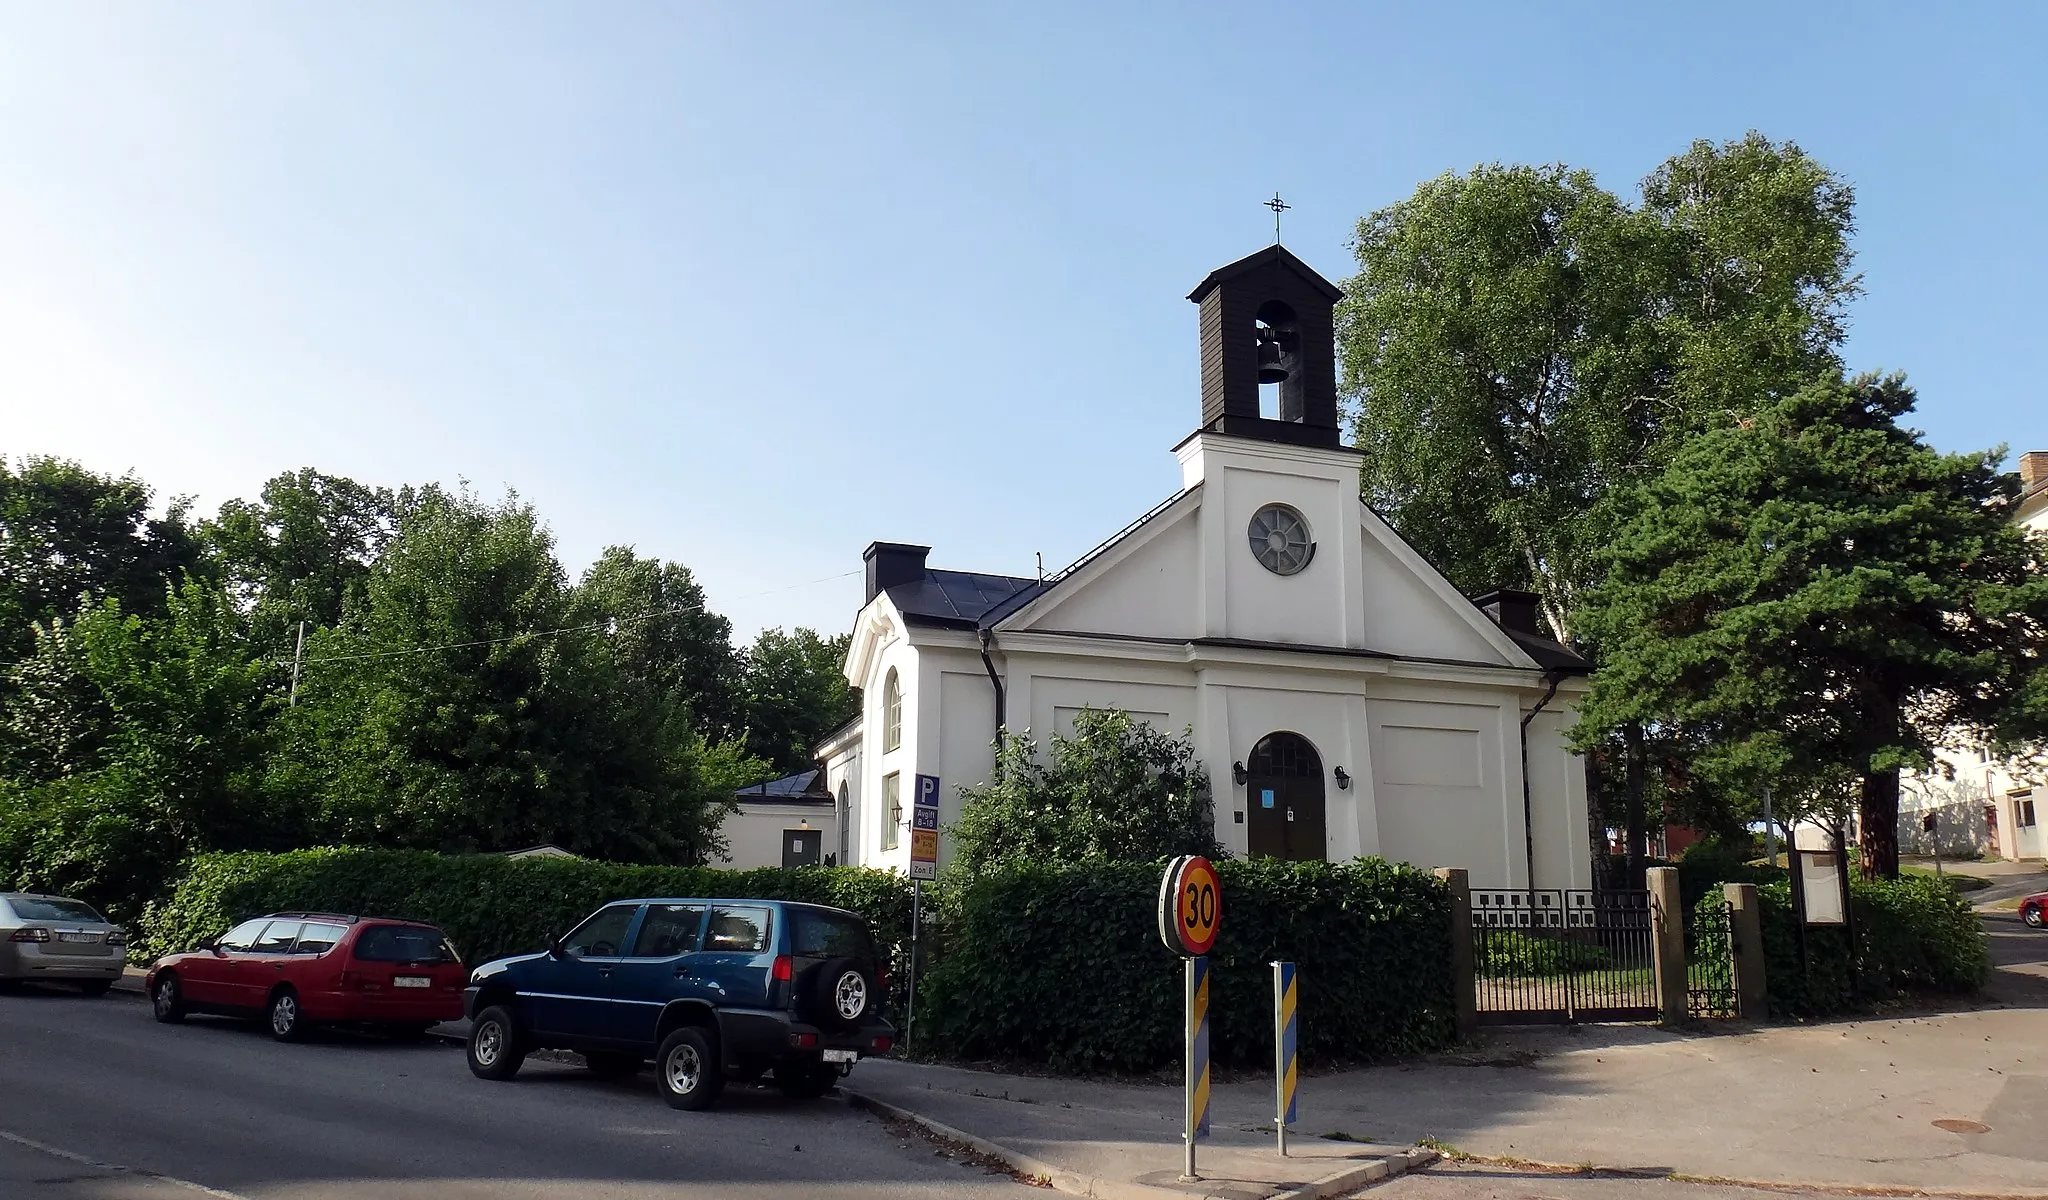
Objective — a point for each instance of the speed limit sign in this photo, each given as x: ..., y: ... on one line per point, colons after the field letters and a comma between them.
x: 1190, y: 906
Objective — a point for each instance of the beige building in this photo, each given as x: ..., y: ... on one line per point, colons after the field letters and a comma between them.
x: 1980, y: 801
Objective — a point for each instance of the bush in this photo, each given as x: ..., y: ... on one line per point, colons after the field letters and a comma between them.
x: 1062, y: 965
x: 487, y: 904
x: 1911, y: 933
x: 1506, y: 954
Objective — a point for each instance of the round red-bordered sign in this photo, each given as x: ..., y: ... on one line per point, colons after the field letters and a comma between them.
x: 1190, y: 906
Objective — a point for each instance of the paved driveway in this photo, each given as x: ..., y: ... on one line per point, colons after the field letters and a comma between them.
x: 98, y: 1102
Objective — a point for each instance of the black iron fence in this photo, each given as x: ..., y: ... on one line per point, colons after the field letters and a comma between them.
x: 1551, y: 954
x: 1710, y: 963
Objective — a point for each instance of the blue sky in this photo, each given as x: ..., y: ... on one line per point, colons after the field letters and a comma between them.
x: 750, y: 285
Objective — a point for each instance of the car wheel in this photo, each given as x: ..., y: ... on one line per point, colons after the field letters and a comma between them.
x: 167, y: 999
x: 687, y: 1070
x: 494, y: 1049
x: 96, y: 987
x: 2033, y: 918
x: 287, y: 1021
x: 805, y: 1081
x: 606, y: 1065
x: 840, y: 993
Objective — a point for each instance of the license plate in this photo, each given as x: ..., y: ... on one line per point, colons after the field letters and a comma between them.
x: 842, y: 1056
x: 411, y: 981
x: 78, y: 937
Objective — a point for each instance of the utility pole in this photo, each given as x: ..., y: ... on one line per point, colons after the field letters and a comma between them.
x: 298, y: 656
x: 1770, y: 832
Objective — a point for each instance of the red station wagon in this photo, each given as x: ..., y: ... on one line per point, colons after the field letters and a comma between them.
x: 298, y: 970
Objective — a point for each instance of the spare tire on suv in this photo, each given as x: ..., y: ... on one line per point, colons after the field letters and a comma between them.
x: 838, y: 993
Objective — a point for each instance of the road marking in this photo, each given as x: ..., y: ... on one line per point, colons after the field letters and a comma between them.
x: 98, y: 1165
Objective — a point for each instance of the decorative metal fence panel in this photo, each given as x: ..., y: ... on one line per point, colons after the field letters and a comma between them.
x: 1562, y: 955
x: 1710, y: 963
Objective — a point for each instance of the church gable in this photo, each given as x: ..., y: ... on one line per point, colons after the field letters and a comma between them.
x: 1145, y: 584
x: 1413, y: 611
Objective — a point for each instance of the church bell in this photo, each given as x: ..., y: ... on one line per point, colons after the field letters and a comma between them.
x: 1270, y: 368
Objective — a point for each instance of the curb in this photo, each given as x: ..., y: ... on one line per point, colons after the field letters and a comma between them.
x: 1357, y: 1175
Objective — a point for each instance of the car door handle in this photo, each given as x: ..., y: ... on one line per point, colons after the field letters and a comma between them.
x: 682, y: 971
x: 277, y: 966
x: 604, y: 972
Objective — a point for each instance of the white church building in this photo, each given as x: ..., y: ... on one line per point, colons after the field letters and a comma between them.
x: 1344, y: 697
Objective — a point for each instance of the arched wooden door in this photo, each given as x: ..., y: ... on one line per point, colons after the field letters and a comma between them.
x: 1284, y: 785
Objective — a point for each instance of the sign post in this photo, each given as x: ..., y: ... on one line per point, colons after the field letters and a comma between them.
x: 1190, y: 909
x: 1285, y: 1065
x: 924, y: 864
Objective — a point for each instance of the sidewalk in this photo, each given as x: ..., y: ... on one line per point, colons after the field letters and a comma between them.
x: 1848, y: 1105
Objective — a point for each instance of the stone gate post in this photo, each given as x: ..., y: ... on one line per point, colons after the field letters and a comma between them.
x: 1746, y: 947
x: 1463, y: 967
x: 1667, y: 944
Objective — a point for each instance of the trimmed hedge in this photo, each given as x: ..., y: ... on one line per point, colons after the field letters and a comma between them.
x: 1062, y: 965
x: 487, y: 904
x: 1911, y: 933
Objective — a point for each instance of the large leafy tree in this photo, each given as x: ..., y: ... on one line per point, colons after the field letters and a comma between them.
x: 795, y: 692
x: 130, y: 742
x: 1117, y: 789
x: 303, y: 550
x: 67, y: 532
x: 663, y: 636
x: 1518, y: 342
x: 1811, y: 597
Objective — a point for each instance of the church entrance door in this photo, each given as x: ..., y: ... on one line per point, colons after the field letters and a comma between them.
x: 1284, y: 782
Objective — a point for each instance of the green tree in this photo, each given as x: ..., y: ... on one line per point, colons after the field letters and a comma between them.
x: 67, y: 532
x: 303, y: 551
x: 663, y: 636
x: 131, y: 742
x: 795, y: 692
x: 1518, y: 343
x: 1117, y: 789
x: 1812, y: 598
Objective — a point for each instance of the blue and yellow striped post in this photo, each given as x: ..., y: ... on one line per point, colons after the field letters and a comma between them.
x: 1286, y: 1066
x: 1198, y: 1059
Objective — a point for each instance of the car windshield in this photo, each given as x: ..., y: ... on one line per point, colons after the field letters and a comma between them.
x: 403, y: 943
x: 41, y: 909
x: 814, y: 934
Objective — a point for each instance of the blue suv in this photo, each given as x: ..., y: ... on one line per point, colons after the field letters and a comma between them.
x: 711, y: 990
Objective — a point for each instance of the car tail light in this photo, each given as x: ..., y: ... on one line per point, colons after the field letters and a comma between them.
x: 782, y: 972
x: 117, y: 937
x: 803, y: 1041
x: 883, y: 1043
x: 31, y: 934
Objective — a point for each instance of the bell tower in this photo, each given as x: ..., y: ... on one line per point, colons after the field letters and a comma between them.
x: 1266, y: 318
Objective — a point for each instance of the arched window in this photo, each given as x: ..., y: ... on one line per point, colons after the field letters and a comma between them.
x: 892, y: 713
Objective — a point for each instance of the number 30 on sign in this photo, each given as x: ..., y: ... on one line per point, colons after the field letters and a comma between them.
x: 1190, y: 906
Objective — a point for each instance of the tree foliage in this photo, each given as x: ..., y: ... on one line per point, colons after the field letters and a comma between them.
x: 795, y: 693
x: 1518, y: 342
x: 1116, y: 790
x: 1812, y: 598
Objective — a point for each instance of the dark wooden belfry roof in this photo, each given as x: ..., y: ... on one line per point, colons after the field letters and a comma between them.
x: 1271, y: 255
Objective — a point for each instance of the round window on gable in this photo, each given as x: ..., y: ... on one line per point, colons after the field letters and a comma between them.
x: 1280, y: 540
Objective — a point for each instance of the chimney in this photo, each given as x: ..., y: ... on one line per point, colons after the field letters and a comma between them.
x: 891, y: 563
x: 2033, y: 469
x: 1510, y: 609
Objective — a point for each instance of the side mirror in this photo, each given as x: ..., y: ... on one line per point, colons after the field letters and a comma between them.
x: 555, y: 946
x: 213, y: 947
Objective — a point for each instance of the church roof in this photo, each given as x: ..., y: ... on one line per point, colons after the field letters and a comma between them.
x: 1275, y: 253
x: 954, y: 599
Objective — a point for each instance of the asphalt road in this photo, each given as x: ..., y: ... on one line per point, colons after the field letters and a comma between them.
x: 99, y: 1102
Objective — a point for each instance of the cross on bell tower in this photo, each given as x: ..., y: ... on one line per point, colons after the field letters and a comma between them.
x: 1267, y: 318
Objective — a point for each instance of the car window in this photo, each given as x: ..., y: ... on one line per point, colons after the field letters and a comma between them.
x: 403, y: 943
x: 669, y: 929
x: 737, y: 930
x: 38, y: 909
x: 278, y: 938
x: 316, y: 938
x: 815, y: 934
x: 243, y: 936
x: 603, y: 934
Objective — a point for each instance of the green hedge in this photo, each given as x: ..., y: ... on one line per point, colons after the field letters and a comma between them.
x: 1505, y: 954
x: 487, y: 904
x: 1912, y: 933
x: 1062, y: 965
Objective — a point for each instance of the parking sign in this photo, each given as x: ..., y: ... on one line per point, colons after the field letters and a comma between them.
x: 924, y: 828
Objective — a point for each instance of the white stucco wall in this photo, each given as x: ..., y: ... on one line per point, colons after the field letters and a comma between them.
x: 754, y: 834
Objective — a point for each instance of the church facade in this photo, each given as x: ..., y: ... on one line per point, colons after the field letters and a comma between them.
x: 1344, y: 697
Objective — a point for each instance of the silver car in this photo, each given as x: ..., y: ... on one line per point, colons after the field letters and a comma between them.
x: 59, y: 940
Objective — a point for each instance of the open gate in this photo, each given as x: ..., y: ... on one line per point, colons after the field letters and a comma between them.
x: 1553, y: 954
